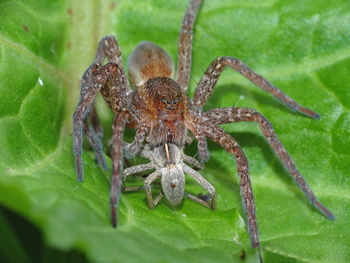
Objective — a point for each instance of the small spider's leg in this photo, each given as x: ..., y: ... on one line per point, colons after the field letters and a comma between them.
x: 136, y: 170
x: 204, y: 183
x: 128, y: 164
x: 219, y: 136
x: 192, y: 161
x: 185, y: 44
x: 117, y: 163
x: 147, y: 183
x: 211, y: 75
x: 136, y: 145
x: 198, y: 200
x: 158, y: 198
x: 108, y: 48
x: 96, y: 144
x: 87, y: 97
x: 225, y: 115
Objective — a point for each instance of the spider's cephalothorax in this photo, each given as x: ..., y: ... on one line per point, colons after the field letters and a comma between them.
x: 160, y: 111
x: 159, y: 106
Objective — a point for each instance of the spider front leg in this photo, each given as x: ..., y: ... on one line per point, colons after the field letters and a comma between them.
x: 108, y: 48
x: 185, y: 44
x: 211, y: 75
x: 219, y: 136
x: 93, y: 131
x: 226, y: 115
x: 88, y: 95
x: 84, y: 87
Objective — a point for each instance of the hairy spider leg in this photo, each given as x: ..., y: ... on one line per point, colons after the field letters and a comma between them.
x: 219, y: 136
x: 110, y: 79
x: 211, y: 75
x: 108, y: 48
x: 115, y: 92
x: 84, y: 86
x: 185, y: 44
x: 88, y: 95
x: 96, y: 122
x: 203, y: 153
x: 227, y: 115
x: 96, y: 144
x: 92, y: 127
x: 117, y: 163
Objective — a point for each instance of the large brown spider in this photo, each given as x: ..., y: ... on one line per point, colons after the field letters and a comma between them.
x: 161, y: 112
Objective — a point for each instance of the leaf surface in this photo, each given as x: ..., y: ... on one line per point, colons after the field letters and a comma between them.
x: 300, y: 46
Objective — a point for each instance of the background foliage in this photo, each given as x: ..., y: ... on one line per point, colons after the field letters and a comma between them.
x: 301, y: 46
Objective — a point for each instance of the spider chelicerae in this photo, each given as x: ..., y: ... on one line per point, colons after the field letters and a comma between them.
x: 162, y: 114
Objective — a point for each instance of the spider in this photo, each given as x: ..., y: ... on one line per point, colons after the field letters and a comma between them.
x: 170, y: 164
x: 162, y: 114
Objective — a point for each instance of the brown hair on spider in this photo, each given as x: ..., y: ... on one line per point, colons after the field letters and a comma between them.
x: 163, y: 99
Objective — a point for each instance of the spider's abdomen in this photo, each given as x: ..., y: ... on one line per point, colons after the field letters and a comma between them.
x: 173, y: 183
x: 147, y: 61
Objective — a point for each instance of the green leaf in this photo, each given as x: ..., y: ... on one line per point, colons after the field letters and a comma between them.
x: 11, y: 249
x: 300, y: 46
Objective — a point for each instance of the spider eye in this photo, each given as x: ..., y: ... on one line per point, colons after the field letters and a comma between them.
x: 168, y: 101
x: 163, y: 100
x: 175, y: 101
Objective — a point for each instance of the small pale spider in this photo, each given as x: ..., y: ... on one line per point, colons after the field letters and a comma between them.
x: 170, y: 164
x: 161, y: 112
